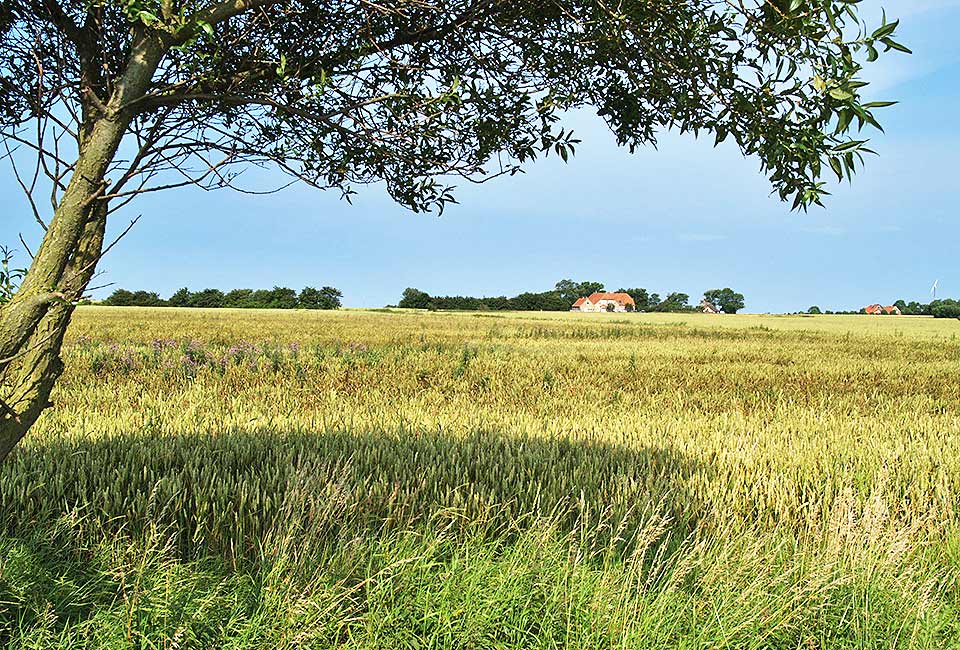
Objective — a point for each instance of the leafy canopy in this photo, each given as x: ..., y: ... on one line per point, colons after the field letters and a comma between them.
x: 339, y: 93
x: 726, y: 299
x: 570, y: 290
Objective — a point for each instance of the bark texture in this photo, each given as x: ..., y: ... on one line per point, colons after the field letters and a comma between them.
x: 33, y: 323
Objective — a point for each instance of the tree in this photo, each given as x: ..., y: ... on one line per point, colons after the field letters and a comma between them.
x: 147, y: 299
x: 119, y: 298
x: 675, y: 302
x: 330, y: 298
x: 340, y: 94
x: 238, y: 299
x: 641, y: 297
x: 180, y: 299
x: 526, y: 301
x: 415, y: 299
x: 945, y: 308
x: 282, y: 298
x: 726, y: 299
x: 814, y: 310
x: 206, y: 299
x: 260, y: 299
x: 124, y: 298
x: 545, y: 301
x: 570, y: 291
x: 309, y: 298
x: 325, y: 298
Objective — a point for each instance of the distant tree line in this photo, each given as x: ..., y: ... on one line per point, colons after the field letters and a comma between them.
x: 815, y: 310
x: 943, y: 308
x: 544, y: 301
x: 562, y: 297
x: 276, y: 298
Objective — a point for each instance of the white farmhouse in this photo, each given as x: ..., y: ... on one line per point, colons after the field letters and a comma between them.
x: 605, y: 302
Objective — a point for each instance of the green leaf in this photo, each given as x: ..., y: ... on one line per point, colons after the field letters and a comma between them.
x: 841, y: 95
x: 721, y: 135
x: 843, y: 120
x: 885, y: 30
x: 893, y: 45
x: 837, y: 167
x: 852, y: 144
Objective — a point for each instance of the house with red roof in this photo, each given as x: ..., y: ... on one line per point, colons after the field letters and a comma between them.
x: 603, y: 301
x: 878, y: 309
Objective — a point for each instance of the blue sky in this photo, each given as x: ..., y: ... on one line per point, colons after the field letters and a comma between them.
x: 685, y: 217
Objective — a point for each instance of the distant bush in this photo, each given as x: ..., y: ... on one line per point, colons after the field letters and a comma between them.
x: 276, y: 298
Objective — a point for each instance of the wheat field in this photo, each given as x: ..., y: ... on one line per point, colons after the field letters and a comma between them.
x: 395, y: 479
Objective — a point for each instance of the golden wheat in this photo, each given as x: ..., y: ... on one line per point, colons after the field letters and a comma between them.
x: 797, y: 477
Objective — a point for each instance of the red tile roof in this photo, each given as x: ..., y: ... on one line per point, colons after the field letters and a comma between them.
x: 579, y: 302
x: 622, y: 298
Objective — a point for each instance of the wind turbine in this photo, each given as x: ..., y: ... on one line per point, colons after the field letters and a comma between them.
x: 933, y: 289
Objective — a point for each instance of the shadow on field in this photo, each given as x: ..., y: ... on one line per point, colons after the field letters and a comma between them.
x: 223, y: 494
x: 82, y: 521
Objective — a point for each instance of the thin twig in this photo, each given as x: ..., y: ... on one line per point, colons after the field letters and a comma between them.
x: 25, y: 247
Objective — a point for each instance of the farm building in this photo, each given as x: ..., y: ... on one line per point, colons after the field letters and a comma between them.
x: 708, y: 307
x: 878, y: 309
x: 604, y: 302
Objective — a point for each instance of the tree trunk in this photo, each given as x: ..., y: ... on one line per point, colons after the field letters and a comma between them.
x: 33, y: 323
x: 29, y: 377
